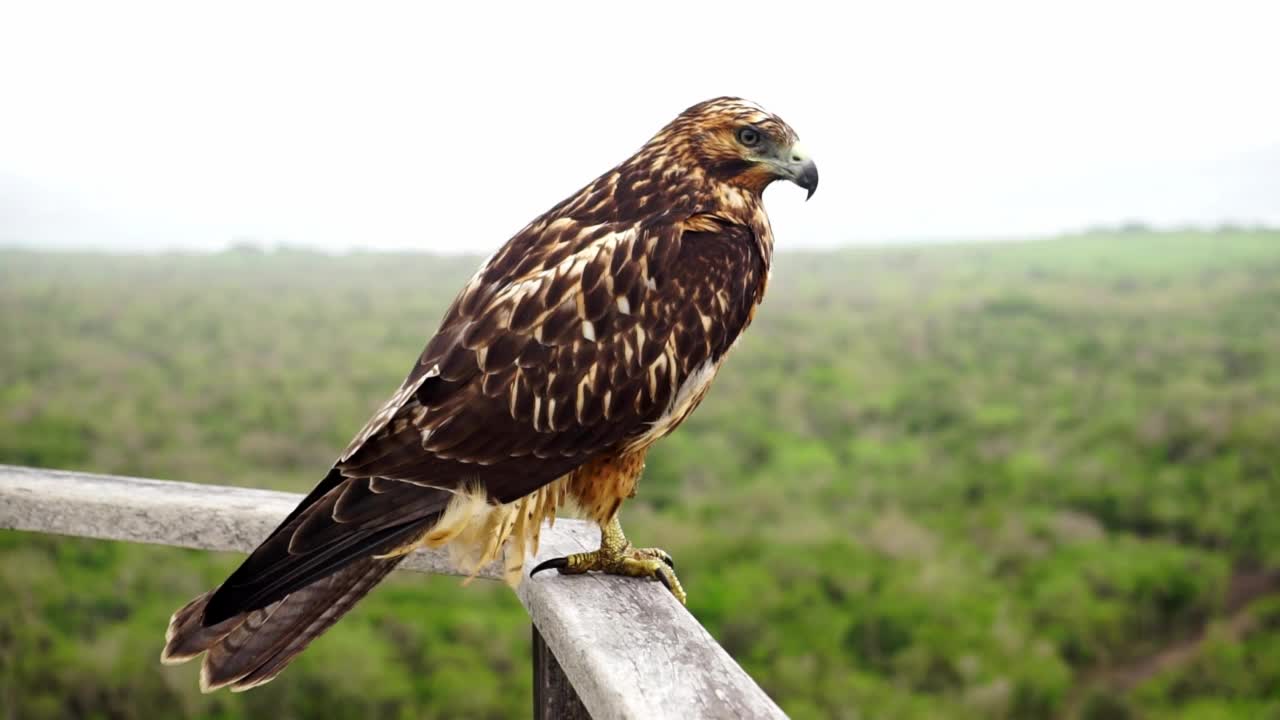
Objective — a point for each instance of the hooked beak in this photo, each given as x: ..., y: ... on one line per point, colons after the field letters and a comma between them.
x: 799, y: 168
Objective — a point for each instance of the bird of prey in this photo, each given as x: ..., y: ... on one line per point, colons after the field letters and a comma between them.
x: 587, y: 337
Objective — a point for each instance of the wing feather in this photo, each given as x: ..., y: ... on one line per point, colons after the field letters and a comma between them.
x: 544, y: 360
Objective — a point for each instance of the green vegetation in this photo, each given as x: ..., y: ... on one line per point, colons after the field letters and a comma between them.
x: 978, y: 481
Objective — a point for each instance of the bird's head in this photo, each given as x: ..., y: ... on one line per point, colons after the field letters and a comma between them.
x: 737, y: 142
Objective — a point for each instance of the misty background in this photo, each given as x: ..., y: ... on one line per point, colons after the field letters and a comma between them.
x: 972, y: 480
x: 151, y: 126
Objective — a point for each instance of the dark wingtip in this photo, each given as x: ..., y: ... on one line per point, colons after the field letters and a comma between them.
x: 220, y: 607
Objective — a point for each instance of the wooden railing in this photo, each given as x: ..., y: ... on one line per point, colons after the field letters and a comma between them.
x: 604, y: 647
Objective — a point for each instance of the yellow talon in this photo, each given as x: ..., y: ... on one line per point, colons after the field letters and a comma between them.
x: 617, y: 557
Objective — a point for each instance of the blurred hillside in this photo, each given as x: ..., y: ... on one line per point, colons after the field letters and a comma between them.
x: 978, y: 481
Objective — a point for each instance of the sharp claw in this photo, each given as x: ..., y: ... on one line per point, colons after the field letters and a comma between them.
x: 557, y: 563
x: 660, y: 554
x: 662, y: 578
x: 630, y: 562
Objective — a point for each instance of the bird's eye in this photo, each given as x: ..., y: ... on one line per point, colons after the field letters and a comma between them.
x: 749, y: 136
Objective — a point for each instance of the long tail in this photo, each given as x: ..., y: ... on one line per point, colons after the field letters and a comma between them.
x: 251, y: 648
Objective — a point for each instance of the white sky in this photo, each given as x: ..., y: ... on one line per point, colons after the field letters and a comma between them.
x: 448, y: 126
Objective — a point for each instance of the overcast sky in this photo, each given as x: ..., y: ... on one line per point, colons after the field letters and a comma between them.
x: 447, y: 127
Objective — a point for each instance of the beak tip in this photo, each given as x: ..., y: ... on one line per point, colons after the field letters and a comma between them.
x: 801, y: 170
x: 807, y: 178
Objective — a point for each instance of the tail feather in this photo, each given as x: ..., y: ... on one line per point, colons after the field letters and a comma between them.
x: 251, y: 648
x: 187, y: 637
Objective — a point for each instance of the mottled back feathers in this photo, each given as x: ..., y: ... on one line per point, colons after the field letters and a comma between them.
x: 594, y: 330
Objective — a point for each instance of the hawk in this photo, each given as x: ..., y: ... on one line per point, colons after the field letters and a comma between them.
x: 587, y: 337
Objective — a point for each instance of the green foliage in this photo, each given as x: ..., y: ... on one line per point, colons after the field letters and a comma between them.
x: 975, y: 481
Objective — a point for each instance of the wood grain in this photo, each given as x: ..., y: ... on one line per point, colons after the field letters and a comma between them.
x: 553, y: 695
x: 627, y: 646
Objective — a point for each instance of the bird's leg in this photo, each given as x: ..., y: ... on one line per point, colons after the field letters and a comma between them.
x: 617, y: 557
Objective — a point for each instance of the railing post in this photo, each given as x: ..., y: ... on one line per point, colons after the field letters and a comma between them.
x: 627, y: 650
x: 553, y: 695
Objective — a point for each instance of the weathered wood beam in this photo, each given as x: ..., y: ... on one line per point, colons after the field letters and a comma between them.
x: 553, y: 695
x: 628, y: 648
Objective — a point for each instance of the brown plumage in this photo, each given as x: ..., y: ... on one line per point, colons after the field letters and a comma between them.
x: 591, y: 334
